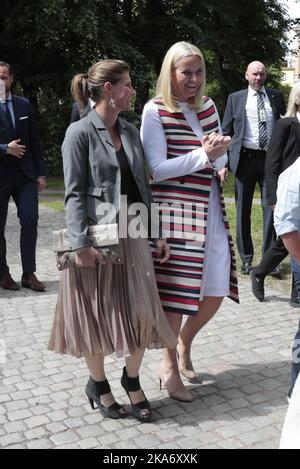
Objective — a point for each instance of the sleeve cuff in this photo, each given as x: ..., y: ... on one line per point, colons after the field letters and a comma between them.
x: 285, y: 228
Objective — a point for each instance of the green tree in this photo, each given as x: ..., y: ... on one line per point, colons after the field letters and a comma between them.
x: 47, y: 42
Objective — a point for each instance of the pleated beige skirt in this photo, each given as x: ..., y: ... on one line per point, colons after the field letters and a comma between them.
x: 111, y: 308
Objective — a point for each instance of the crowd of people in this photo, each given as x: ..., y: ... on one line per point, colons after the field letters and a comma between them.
x: 183, y: 262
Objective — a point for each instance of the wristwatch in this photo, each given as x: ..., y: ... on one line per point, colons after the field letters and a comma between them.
x: 8, y: 150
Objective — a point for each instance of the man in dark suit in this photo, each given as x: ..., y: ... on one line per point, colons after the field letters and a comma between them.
x: 249, y: 118
x: 283, y: 151
x: 22, y: 174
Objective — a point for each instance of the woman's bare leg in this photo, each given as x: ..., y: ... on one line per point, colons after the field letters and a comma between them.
x: 96, y: 366
x: 168, y: 371
x: 207, y: 309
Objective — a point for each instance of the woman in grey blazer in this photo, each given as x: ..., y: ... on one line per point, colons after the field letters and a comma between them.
x: 106, y: 308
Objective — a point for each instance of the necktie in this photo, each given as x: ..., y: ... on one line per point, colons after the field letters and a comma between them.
x: 262, y: 121
x: 8, y: 117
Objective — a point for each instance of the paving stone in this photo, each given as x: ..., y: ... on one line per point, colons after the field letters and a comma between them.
x: 88, y: 443
x: 64, y: 438
x: 42, y: 443
x: 243, y: 357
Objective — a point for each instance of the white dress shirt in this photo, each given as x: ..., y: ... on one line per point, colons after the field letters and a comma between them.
x: 287, y: 210
x: 251, y: 134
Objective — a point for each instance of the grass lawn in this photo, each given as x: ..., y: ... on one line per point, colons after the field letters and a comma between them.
x: 56, y: 183
x: 283, y: 285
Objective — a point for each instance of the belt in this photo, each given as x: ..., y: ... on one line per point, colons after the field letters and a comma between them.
x: 251, y: 152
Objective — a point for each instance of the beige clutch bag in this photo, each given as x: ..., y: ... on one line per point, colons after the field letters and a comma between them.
x: 102, y: 237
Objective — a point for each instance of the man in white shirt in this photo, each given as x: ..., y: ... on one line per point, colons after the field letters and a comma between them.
x: 287, y: 226
x: 249, y: 118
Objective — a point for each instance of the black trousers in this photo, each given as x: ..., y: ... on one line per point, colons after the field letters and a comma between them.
x: 251, y: 170
x: 272, y: 257
x: 25, y: 195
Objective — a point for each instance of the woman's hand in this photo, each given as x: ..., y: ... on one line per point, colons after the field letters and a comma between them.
x: 215, y: 145
x: 88, y: 257
x: 223, y: 175
x: 163, y: 250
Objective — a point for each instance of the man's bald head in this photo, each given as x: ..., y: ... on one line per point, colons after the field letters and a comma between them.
x: 256, y: 75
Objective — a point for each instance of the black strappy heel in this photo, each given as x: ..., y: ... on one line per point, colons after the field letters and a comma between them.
x: 142, y: 410
x: 95, y: 389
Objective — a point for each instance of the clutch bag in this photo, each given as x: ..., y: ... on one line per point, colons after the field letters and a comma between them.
x: 102, y: 237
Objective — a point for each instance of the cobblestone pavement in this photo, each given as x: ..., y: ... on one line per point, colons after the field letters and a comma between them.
x: 242, y: 355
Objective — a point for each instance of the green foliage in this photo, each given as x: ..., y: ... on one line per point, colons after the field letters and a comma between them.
x: 47, y: 42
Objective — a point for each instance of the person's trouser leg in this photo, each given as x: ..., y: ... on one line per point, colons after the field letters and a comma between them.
x: 296, y: 274
x: 269, y: 234
x: 244, y: 190
x: 296, y: 360
x: 25, y: 196
x: 296, y: 344
x: 271, y: 258
x: 4, y: 200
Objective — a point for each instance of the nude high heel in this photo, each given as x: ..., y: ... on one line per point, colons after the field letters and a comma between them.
x: 182, y: 395
x: 189, y: 374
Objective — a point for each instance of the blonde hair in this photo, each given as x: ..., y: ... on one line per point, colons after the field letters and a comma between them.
x: 294, y: 101
x: 164, y: 87
x: 90, y: 85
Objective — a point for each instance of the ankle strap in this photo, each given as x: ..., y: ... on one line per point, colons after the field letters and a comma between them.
x: 101, y: 387
x: 133, y: 384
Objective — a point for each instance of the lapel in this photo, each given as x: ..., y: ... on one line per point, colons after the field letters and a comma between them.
x: 106, y: 138
x: 16, y: 113
x: 5, y: 120
x: 126, y: 142
x: 296, y: 126
x: 242, y: 101
x: 272, y: 99
x: 103, y: 134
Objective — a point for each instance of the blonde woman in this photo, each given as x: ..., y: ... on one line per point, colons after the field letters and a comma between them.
x: 185, y: 150
x: 108, y: 308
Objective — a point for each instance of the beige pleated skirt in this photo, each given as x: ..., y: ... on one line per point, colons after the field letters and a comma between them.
x: 111, y: 308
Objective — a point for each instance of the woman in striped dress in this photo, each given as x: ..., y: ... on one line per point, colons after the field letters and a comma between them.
x: 185, y: 151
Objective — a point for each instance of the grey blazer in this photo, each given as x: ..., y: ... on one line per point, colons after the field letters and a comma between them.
x: 234, y: 120
x: 92, y: 174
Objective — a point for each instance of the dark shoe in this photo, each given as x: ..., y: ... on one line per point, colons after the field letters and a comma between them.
x: 95, y: 389
x: 141, y: 410
x: 276, y: 272
x: 246, y: 268
x: 257, y: 285
x: 8, y: 283
x: 30, y: 281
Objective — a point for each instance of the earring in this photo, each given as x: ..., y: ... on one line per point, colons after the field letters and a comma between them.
x: 112, y: 103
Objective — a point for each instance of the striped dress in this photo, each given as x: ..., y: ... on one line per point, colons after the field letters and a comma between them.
x: 184, y: 205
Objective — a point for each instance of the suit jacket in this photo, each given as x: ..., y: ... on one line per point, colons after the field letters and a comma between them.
x: 234, y: 120
x: 77, y: 113
x: 92, y: 174
x: 283, y: 150
x: 32, y: 163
